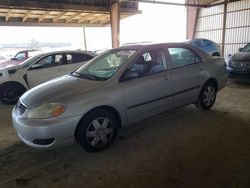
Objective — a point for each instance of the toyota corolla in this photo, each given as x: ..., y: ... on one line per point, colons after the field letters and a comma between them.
x: 117, y: 88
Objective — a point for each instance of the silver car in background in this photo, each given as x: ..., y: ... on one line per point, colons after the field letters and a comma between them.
x: 117, y: 88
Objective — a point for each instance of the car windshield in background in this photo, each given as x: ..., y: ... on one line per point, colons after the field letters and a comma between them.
x: 29, y: 61
x: 246, y: 48
x: 105, y: 66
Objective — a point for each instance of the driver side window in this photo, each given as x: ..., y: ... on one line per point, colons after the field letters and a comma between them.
x: 20, y: 56
x: 48, y: 61
x: 151, y: 62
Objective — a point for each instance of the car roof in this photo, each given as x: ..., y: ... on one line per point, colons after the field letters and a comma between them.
x: 29, y: 50
x: 142, y: 46
x: 68, y: 51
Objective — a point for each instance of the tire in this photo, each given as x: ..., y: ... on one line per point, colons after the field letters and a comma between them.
x: 207, y: 96
x: 11, y: 92
x: 97, y: 130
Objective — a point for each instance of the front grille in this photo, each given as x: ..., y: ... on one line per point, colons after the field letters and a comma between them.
x: 20, y: 108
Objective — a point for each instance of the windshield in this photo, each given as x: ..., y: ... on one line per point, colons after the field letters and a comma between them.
x: 104, y: 66
x: 246, y: 48
x: 30, y: 61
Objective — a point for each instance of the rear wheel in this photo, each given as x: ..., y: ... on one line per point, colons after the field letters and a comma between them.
x: 97, y: 130
x: 11, y: 92
x: 207, y: 96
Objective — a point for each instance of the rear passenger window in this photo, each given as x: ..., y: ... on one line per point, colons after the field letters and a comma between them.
x: 182, y: 57
x: 207, y: 43
x: 78, y: 58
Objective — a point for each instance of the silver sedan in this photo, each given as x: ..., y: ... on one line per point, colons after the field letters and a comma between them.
x: 117, y: 88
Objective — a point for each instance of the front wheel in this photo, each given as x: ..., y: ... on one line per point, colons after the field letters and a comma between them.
x: 97, y: 130
x: 207, y: 96
x: 11, y: 92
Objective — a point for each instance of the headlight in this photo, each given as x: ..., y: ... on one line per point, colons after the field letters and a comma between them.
x: 47, y: 110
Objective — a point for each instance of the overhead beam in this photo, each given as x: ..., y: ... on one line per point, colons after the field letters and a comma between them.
x: 41, y: 18
x: 167, y: 3
x: 55, y: 19
x: 26, y: 16
x: 49, y: 24
x: 96, y: 19
x: 88, y: 16
x: 8, y: 15
x: 50, y: 6
x: 180, y: 4
x: 72, y: 17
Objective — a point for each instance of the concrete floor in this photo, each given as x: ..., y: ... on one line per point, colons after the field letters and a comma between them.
x: 183, y: 148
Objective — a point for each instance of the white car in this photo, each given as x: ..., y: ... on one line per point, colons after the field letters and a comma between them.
x: 15, y: 80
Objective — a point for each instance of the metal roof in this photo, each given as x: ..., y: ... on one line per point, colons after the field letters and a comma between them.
x: 76, y: 12
x: 61, y: 12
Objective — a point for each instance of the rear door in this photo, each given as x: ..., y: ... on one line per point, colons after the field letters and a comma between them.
x: 75, y: 60
x: 185, y: 74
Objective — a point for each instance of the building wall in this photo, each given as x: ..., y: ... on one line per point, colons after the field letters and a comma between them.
x: 209, y: 24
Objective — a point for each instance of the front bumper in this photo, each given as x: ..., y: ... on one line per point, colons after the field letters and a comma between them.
x: 238, y: 72
x: 45, y: 133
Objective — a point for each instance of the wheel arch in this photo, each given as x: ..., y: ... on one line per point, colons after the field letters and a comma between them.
x: 12, y: 82
x: 214, y: 81
x: 104, y: 107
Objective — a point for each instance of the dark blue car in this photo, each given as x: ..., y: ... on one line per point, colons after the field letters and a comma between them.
x: 206, y: 45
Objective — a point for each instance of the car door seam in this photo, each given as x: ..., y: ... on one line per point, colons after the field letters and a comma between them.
x: 164, y: 97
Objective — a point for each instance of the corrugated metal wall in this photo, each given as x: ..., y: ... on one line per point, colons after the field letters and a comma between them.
x: 237, y: 33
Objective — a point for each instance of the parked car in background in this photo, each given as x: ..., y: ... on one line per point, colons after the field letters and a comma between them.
x: 238, y: 65
x: 20, y: 57
x: 15, y: 80
x: 207, y: 45
x: 2, y: 58
x: 117, y: 88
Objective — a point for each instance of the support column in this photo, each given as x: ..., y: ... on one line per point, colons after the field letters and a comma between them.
x: 115, y: 22
x: 84, y: 38
x: 224, y: 28
x: 191, y: 21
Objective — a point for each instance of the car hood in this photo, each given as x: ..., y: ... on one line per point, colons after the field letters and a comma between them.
x: 9, y: 63
x: 9, y: 67
x: 241, y: 56
x: 61, y: 89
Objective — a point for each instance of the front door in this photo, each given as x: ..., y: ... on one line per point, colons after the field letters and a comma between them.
x: 47, y: 68
x: 149, y: 93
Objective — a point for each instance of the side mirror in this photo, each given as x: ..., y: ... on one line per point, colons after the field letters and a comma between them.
x: 13, y: 58
x: 240, y: 49
x: 130, y: 74
x: 35, y: 66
